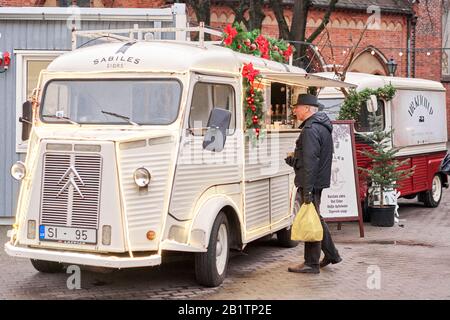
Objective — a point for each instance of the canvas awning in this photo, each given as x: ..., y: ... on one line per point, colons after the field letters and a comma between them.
x: 305, y: 80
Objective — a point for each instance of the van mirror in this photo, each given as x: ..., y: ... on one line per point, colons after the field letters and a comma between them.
x: 216, y: 134
x: 372, y: 103
x: 26, y: 119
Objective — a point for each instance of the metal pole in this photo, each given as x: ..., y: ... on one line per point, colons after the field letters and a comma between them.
x: 201, y: 34
x: 74, y: 39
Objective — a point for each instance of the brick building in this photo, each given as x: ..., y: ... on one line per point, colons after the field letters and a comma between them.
x: 410, y: 31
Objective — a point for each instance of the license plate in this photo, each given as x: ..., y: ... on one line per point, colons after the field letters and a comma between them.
x: 67, y: 235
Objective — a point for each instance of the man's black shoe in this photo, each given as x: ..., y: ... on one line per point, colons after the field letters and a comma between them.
x: 325, y: 261
x: 303, y: 268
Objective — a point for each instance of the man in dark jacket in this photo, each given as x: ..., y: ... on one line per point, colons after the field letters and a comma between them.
x: 312, y: 165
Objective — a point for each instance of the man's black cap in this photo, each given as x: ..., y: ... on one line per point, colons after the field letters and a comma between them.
x: 307, y: 99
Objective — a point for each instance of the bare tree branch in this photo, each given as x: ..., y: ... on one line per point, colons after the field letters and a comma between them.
x: 325, y: 21
x: 239, y: 11
x: 256, y: 14
x: 283, y: 28
x: 352, y: 53
x: 202, y: 9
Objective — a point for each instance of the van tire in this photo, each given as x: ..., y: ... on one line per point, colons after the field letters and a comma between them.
x: 432, y: 198
x: 207, y: 263
x: 284, y: 238
x: 47, y: 266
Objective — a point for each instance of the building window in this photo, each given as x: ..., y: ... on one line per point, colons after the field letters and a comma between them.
x: 29, y: 65
x: 79, y: 3
x: 446, y: 39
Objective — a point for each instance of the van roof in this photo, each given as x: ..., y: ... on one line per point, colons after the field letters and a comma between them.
x: 160, y: 56
x: 365, y: 80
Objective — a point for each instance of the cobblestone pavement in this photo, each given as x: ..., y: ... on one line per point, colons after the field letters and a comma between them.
x: 413, y: 259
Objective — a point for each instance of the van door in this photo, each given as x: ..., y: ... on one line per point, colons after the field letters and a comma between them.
x: 199, y: 169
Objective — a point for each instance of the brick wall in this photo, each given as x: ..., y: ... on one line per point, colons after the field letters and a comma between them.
x: 345, y: 29
x: 17, y: 3
x: 428, y: 37
x: 96, y: 3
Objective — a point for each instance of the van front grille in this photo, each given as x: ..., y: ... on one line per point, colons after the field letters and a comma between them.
x: 71, y: 190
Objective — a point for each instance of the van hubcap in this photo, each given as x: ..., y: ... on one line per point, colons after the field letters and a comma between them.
x: 436, y: 189
x: 221, y: 248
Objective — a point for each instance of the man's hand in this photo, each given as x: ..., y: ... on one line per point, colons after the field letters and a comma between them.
x: 290, y: 161
x: 308, y: 198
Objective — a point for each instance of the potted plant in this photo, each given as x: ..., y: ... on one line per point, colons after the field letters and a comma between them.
x: 383, y: 173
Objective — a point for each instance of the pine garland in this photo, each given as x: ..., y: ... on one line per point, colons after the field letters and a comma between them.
x: 352, y: 104
x: 253, y: 42
x: 253, y: 101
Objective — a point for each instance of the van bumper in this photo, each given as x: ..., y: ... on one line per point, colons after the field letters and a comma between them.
x: 88, y: 259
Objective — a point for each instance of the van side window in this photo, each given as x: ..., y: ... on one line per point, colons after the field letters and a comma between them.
x: 207, y: 96
x: 362, y: 124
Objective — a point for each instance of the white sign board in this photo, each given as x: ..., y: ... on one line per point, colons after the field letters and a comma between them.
x: 340, y: 202
x: 419, y: 117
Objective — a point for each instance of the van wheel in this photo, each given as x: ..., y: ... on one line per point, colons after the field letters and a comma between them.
x: 284, y: 238
x: 432, y: 198
x: 47, y: 266
x: 211, y: 266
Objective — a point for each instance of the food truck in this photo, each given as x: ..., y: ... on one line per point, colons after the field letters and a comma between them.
x: 119, y: 170
x: 418, y: 115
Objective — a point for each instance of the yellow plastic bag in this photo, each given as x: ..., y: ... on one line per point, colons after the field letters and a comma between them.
x: 307, y: 226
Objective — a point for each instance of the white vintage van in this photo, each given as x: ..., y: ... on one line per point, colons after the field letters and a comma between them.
x: 119, y: 169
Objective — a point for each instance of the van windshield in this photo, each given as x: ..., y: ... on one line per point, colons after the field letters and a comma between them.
x: 137, y: 102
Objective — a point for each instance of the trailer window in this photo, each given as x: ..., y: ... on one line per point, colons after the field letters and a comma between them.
x: 362, y: 124
x: 207, y: 96
x: 145, y: 102
x: 331, y: 107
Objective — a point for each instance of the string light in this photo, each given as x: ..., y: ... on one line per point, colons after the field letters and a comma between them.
x: 400, y: 54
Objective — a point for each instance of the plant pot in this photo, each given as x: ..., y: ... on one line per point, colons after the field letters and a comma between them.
x: 382, y: 216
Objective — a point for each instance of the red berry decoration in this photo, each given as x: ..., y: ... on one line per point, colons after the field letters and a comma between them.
x: 253, y: 108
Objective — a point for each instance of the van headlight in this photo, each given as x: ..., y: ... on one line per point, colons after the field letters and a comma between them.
x: 18, y: 170
x: 142, y: 177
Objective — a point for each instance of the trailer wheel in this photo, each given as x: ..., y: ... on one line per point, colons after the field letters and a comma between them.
x: 284, y: 238
x: 432, y: 198
x: 410, y: 196
x: 211, y: 266
x: 47, y: 266
x: 365, y: 209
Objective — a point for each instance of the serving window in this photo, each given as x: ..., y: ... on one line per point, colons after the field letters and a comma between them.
x: 278, y: 101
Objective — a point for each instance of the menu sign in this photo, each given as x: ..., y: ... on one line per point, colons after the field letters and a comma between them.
x: 341, y: 202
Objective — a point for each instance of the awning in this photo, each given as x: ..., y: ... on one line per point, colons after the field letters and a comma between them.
x: 305, y: 80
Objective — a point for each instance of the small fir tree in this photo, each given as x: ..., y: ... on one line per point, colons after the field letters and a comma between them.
x: 384, y: 172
